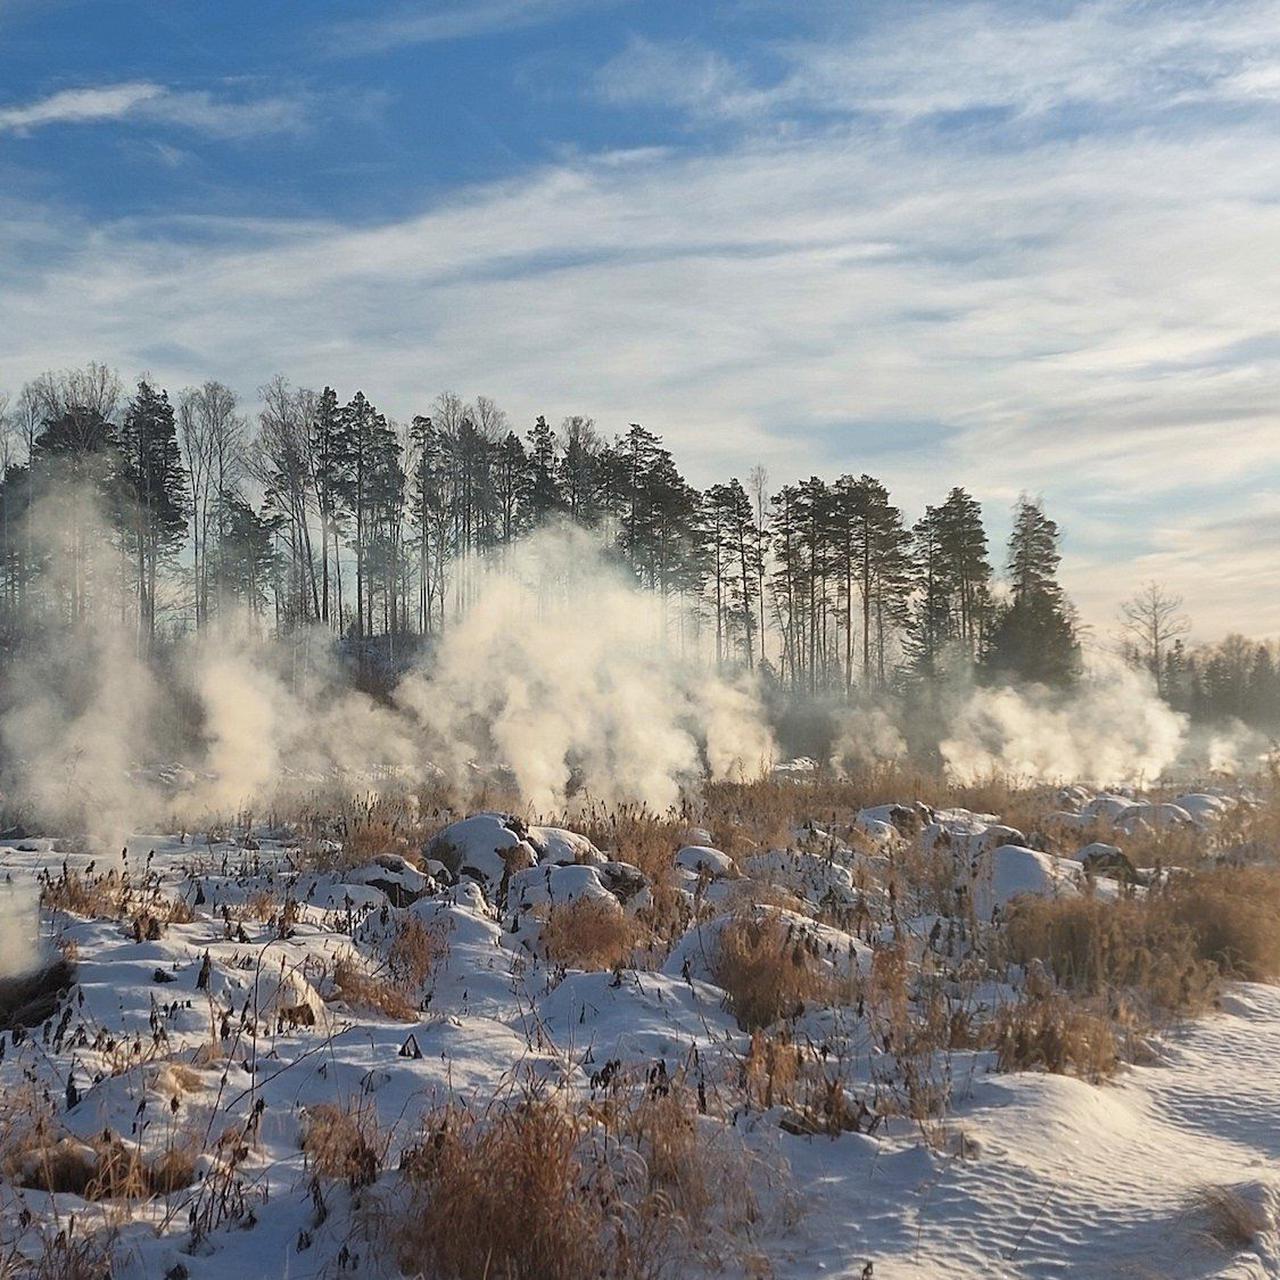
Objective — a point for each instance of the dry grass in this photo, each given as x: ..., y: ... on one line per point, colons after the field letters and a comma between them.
x: 663, y: 1125
x: 1232, y: 1220
x: 1168, y: 949
x: 360, y: 989
x: 67, y: 1252
x: 1096, y: 947
x: 522, y: 1196
x: 346, y: 1143
x: 771, y: 1068
x: 263, y: 905
x: 346, y: 831
x: 1049, y: 1031
x: 414, y: 952
x: 1234, y: 915
x: 649, y: 841
x: 113, y: 896
x: 105, y: 1168
x: 766, y: 970
x: 589, y: 934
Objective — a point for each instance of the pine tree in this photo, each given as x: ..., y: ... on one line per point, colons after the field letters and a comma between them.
x: 430, y: 517
x: 326, y: 430
x: 367, y: 477
x: 248, y: 562
x: 153, y: 496
x: 1034, y: 635
x: 953, y: 575
x: 964, y: 545
x: 543, y: 490
x: 576, y: 471
x: 511, y: 479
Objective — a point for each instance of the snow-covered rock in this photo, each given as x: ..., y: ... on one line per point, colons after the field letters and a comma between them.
x: 1204, y: 808
x: 702, y: 859
x: 487, y: 847
x: 883, y: 821
x: 1000, y: 875
x: 556, y: 844
x: 814, y: 879
x: 555, y: 885
x: 394, y: 876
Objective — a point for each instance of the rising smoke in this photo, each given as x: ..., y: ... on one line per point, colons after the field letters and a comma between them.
x: 559, y: 673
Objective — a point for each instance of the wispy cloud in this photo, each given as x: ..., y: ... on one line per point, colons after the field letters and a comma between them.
x: 1086, y: 312
x: 79, y: 106
x: 953, y: 59
x: 155, y: 104
x: 432, y: 21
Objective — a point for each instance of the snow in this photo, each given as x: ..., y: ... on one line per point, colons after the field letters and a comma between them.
x: 1060, y: 1177
x: 1002, y: 874
x: 1028, y: 1176
x: 701, y: 859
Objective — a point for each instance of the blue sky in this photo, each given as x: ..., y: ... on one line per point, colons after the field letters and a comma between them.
x: 1018, y: 246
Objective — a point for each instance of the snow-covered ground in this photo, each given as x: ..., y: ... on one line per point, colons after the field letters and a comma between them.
x: 219, y: 1033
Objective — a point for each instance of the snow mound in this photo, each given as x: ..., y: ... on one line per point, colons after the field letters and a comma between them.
x: 395, y: 877
x: 1005, y: 873
x: 702, y: 858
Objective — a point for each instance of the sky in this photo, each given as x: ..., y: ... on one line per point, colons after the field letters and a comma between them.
x: 1019, y: 246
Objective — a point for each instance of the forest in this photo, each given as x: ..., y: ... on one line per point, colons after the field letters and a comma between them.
x: 313, y: 511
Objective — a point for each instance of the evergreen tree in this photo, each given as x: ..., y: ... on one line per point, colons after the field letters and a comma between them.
x: 326, y: 453
x: 153, y: 496
x: 1034, y: 635
x: 367, y: 474
x: 543, y: 490
x: 249, y: 562
x: 953, y: 577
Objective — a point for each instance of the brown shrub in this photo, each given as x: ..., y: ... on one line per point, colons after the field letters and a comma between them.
x: 1168, y: 948
x: 650, y: 842
x: 1234, y: 915
x: 1232, y: 1220
x: 364, y: 990
x: 345, y: 1142
x: 105, y: 1169
x: 1051, y: 1032
x: 664, y: 1128
x: 518, y: 1197
x: 113, y: 896
x: 263, y: 904
x: 67, y: 1252
x: 766, y: 969
x: 771, y: 1068
x: 590, y: 934
x: 1096, y: 947
x: 414, y: 952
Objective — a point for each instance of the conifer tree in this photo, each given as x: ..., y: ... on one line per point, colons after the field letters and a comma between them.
x: 153, y: 496
x: 1034, y: 635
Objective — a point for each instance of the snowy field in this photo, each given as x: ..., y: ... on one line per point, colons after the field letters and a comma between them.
x: 266, y: 1034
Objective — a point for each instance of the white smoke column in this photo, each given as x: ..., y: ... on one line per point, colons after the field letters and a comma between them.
x: 282, y: 715
x: 869, y: 735
x: 20, y: 948
x: 1111, y: 729
x: 82, y: 706
x: 564, y: 672
x: 242, y: 729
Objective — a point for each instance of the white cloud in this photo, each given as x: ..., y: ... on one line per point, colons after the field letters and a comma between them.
x: 197, y: 110
x: 1089, y: 315
x: 921, y: 61
x: 433, y: 21
x: 78, y: 106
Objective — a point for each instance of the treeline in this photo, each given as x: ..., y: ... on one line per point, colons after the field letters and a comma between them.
x: 1235, y: 679
x: 325, y: 511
